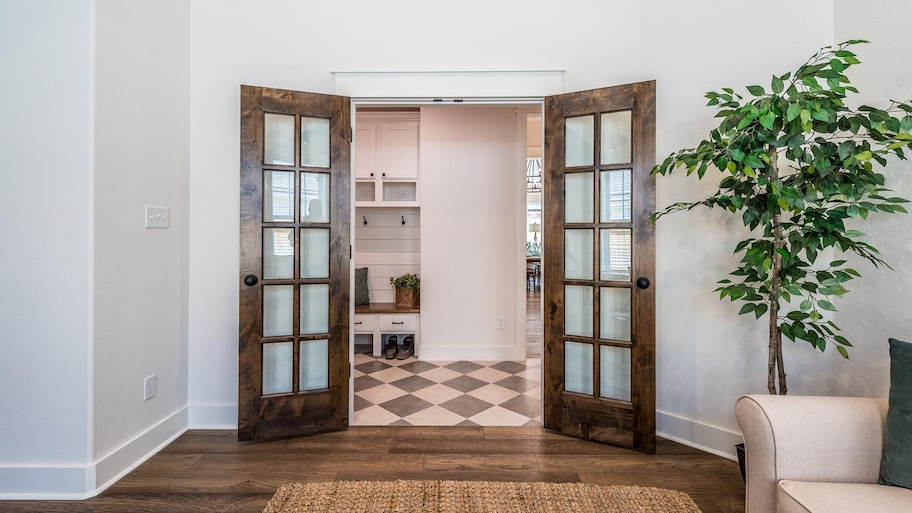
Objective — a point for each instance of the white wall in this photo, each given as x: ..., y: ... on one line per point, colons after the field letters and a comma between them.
x: 689, y: 48
x: 877, y: 306
x: 142, y: 151
x: 472, y: 180
x: 46, y: 229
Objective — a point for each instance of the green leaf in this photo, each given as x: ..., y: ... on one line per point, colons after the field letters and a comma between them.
x: 842, y: 352
x: 826, y: 305
x: 793, y: 111
x: 806, y: 305
x: 777, y: 85
x: 748, y: 307
x: 756, y: 90
x: 760, y: 310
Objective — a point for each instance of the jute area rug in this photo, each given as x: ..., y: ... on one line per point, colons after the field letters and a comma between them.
x: 474, y: 497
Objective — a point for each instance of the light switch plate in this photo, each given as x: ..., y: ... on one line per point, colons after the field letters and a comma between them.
x: 156, y: 217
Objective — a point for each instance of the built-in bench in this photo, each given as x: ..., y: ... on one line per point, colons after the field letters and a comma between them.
x: 383, y: 319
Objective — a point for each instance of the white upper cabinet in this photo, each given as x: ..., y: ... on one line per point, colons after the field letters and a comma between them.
x: 386, y: 159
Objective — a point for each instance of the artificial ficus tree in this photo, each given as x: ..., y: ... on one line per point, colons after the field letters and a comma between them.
x: 797, y: 163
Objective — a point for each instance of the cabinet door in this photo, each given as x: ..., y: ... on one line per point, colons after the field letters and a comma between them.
x: 399, y: 150
x: 366, y: 150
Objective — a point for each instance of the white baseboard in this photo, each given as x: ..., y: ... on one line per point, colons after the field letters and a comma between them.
x: 472, y: 353
x: 109, y: 469
x: 711, y: 439
x: 214, y: 416
x: 72, y: 482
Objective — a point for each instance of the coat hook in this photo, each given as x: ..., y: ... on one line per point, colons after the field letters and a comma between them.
x: 403, y: 220
x: 365, y: 220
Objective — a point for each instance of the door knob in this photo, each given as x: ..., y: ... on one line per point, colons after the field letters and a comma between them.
x: 250, y: 280
x: 642, y: 282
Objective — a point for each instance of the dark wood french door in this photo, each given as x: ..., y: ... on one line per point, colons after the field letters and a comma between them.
x: 295, y: 209
x: 599, y: 264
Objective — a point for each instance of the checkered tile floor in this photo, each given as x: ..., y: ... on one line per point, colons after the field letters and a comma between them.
x: 418, y: 393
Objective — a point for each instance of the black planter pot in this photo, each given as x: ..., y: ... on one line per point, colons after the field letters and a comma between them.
x: 742, y: 459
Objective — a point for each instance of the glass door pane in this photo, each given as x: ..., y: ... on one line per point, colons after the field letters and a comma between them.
x: 314, y: 142
x: 315, y: 197
x: 278, y: 140
x: 578, y: 367
x: 615, y: 254
x: 278, y: 308
x: 578, y: 198
x: 614, y: 373
x: 614, y: 313
x: 616, y: 140
x: 578, y: 310
x: 578, y: 254
x: 314, y: 365
x: 314, y: 309
x: 278, y: 196
x: 579, y: 141
x: 278, y: 253
x: 314, y: 253
x: 277, y: 368
x: 615, y: 196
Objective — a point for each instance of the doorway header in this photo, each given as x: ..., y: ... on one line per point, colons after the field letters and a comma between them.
x: 449, y: 86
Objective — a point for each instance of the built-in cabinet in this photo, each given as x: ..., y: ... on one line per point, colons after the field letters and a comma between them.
x: 386, y: 159
x: 387, y: 226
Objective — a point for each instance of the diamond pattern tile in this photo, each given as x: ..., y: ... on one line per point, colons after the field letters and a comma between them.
x: 418, y: 393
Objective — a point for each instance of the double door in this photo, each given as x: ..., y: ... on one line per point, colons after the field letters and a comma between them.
x: 598, y: 263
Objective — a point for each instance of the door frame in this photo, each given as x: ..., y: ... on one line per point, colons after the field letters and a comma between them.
x: 532, y: 103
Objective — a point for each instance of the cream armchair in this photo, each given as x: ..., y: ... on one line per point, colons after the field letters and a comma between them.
x: 816, y: 454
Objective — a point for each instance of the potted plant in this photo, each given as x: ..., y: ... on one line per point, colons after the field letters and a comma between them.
x: 796, y: 163
x: 408, y: 290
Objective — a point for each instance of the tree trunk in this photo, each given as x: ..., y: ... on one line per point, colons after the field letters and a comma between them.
x: 775, y: 367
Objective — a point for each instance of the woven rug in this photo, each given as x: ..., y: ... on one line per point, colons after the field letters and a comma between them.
x: 474, y: 497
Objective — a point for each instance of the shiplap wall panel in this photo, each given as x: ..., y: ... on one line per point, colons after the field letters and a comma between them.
x: 387, y: 247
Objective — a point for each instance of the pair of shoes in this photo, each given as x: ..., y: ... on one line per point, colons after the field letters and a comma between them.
x: 408, y: 347
x: 392, y: 345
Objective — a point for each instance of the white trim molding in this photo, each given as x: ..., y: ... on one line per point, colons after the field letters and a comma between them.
x: 450, y: 86
x: 712, y: 439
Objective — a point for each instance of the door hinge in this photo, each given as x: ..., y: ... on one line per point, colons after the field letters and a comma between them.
x: 351, y: 134
x: 349, y: 252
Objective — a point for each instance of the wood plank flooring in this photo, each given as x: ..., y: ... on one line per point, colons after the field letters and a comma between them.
x: 210, y: 471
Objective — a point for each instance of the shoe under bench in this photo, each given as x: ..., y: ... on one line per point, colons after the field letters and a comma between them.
x: 381, y: 320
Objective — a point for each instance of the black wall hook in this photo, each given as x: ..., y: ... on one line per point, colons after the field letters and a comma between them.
x: 365, y: 220
x: 403, y: 220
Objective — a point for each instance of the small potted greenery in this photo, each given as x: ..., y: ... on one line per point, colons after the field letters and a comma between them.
x: 408, y: 290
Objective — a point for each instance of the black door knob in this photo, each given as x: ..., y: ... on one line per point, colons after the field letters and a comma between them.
x: 643, y: 283
x: 250, y: 280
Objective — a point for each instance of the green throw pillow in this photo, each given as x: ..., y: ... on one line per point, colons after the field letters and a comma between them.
x: 362, y: 294
x: 896, y: 467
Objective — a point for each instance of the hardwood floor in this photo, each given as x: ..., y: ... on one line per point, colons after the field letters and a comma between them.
x: 209, y: 471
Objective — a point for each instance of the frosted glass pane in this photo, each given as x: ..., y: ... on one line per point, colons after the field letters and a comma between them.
x: 578, y: 194
x: 278, y: 360
x: 278, y: 253
x: 278, y: 309
x: 578, y: 367
x: 279, y: 140
x: 614, y: 313
x: 578, y: 310
x: 315, y: 197
x: 616, y: 137
x: 314, y: 367
x: 615, y: 196
x: 579, y: 141
x: 278, y: 196
x: 614, y: 373
x: 615, y: 254
x: 314, y: 309
x: 314, y: 253
x: 578, y: 254
x: 314, y: 142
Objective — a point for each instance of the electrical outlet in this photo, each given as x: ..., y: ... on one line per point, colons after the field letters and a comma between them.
x: 500, y: 323
x: 149, y: 387
x: 156, y: 217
